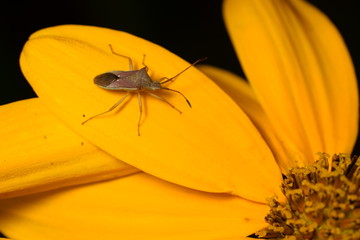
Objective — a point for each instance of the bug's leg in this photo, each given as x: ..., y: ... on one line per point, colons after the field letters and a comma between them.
x: 140, y: 107
x: 143, y: 61
x: 169, y: 89
x: 164, y: 100
x: 112, y: 108
x: 130, y: 61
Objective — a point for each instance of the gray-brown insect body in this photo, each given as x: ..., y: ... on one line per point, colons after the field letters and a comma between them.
x: 135, y: 81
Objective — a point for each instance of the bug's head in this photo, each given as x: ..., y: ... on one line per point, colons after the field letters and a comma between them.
x: 154, y: 85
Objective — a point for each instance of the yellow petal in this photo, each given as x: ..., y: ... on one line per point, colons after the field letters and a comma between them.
x: 212, y: 147
x: 244, y: 96
x: 136, y: 207
x: 38, y: 152
x: 301, y: 72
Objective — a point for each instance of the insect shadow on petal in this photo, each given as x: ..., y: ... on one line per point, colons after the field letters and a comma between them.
x: 137, y: 81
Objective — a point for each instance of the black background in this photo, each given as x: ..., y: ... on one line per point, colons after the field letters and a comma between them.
x: 189, y: 28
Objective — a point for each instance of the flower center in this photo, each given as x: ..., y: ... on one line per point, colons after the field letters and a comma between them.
x: 322, y: 202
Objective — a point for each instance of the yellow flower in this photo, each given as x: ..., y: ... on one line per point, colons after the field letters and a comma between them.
x: 204, y: 174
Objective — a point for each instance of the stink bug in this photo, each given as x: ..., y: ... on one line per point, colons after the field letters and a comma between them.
x: 135, y: 81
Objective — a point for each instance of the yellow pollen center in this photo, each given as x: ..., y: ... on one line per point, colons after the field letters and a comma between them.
x: 322, y: 202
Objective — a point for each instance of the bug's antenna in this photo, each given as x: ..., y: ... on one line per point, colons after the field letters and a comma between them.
x: 170, y: 79
x: 169, y: 89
